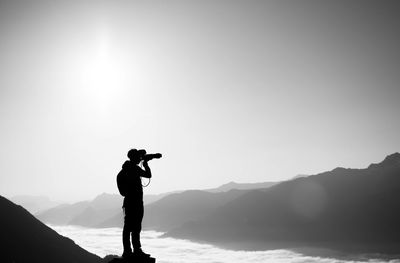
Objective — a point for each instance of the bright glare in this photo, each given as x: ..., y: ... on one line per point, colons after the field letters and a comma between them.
x: 101, y: 75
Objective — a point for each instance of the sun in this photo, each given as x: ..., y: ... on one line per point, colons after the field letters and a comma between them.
x: 102, y: 77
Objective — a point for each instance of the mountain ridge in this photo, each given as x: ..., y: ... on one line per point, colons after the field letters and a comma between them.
x: 341, y: 207
x: 25, y: 239
x: 240, y: 186
x: 105, y: 209
x: 34, y: 204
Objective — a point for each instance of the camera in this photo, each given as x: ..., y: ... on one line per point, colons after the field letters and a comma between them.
x: 147, y: 157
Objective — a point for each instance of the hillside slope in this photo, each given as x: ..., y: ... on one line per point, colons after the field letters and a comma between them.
x: 86, y: 213
x: 177, y: 209
x: 34, y: 204
x: 25, y: 239
x: 343, y: 207
x: 241, y: 186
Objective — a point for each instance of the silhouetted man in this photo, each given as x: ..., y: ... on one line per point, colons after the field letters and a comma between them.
x: 133, y: 202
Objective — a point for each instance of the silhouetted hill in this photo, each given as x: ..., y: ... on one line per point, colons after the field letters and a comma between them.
x: 176, y: 209
x: 92, y: 218
x: 241, y: 186
x: 98, y: 210
x: 105, y: 210
x: 148, y: 199
x: 299, y: 176
x: 151, y: 198
x: 34, y: 204
x: 23, y: 238
x: 62, y: 214
x: 346, y: 208
x: 93, y: 213
x: 84, y: 213
x: 106, y: 201
x: 115, y: 220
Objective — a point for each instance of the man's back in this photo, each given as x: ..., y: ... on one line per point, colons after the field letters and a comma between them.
x: 134, y: 183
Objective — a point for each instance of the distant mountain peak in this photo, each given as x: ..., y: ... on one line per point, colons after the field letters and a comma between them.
x: 299, y: 176
x: 390, y: 160
x: 240, y: 186
x: 104, y: 196
x: 339, y: 169
x: 393, y: 157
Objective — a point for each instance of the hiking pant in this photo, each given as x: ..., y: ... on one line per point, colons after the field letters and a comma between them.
x: 132, y: 226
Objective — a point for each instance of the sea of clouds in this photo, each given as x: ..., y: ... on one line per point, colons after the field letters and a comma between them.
x: 108, y: 241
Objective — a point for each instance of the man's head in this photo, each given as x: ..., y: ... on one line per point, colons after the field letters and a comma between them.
x: 134, y: 155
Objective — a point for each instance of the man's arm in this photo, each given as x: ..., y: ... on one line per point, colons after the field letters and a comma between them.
x: 147, y: 170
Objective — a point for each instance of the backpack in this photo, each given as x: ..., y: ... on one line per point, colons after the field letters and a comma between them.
x: 122, y: 182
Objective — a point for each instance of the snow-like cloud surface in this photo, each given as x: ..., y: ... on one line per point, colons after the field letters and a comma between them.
x: 170, y: 250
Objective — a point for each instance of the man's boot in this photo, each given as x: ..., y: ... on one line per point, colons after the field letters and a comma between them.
x: 139, y: 253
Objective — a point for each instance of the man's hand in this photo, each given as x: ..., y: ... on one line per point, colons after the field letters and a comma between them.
x: 146, y: 169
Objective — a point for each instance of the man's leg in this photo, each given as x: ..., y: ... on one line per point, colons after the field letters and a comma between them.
x: 136, y: 229
x: 126, y: 233
x: 137, y: 226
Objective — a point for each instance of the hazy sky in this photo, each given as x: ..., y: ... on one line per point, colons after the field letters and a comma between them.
x: 244, y: 91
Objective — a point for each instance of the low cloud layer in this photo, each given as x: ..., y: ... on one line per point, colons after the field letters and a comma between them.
x: 169, y: 250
